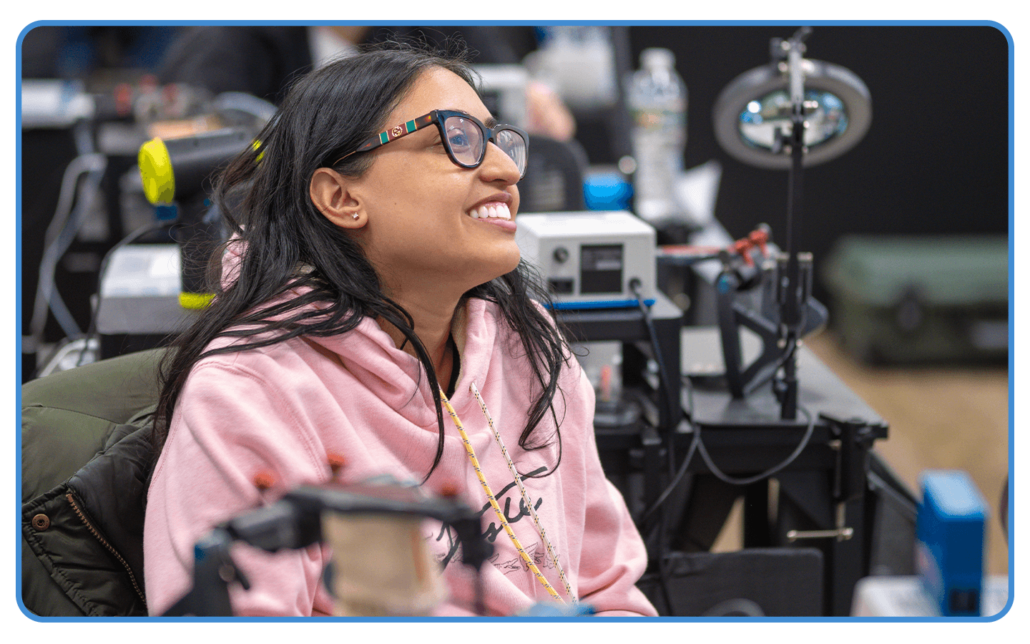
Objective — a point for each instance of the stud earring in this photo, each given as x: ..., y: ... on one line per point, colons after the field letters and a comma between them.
x: 355, y: 216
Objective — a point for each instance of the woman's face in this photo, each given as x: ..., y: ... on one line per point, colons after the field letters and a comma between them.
x: 426, y: 225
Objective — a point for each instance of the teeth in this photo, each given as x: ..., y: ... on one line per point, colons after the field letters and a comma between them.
x: 497, y: 211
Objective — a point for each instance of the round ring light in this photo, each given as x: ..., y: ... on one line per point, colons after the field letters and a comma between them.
x: 752, y: 115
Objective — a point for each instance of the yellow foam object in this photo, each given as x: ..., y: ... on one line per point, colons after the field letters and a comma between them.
x: 155, y: 168
x: 195, y: 301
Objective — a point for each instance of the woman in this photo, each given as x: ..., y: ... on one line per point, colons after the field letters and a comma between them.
x: 373, y: 267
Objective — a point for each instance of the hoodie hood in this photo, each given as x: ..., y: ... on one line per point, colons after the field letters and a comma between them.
x: 399, y: 379
x: 395, y: 376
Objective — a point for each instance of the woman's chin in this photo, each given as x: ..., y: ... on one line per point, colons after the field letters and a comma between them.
x: 497, y: 268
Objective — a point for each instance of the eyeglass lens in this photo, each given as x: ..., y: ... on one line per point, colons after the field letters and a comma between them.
x: 465, y: 139
x: 513, y: 145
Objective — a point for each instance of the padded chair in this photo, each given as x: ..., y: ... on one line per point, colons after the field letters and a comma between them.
x: 85, y: 460
x: 554, y: 178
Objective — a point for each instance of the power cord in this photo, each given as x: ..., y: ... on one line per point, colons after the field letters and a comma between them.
x: 677, y: 477
x: 696, y: 445
x: 663, y: 374
x: 722, y: 476
x: 666, y: 400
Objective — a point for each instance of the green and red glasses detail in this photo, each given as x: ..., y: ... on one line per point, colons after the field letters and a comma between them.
x: 464, y: 137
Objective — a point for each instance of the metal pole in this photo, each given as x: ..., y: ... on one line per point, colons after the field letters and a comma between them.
x: 791, y: 317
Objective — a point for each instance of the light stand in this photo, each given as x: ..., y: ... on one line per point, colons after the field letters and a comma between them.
x: 792, y: 306
x: 791, y: 113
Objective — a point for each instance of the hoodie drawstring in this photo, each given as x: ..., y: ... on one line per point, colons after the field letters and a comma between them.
x: 497, y: 508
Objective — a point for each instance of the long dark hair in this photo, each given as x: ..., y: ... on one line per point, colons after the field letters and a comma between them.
x: 264, y: 197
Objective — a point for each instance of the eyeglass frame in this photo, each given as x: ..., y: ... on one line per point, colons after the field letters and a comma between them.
x: 438, y: 117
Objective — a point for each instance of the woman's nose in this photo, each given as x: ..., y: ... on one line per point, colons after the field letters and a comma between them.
x: 499, y: 166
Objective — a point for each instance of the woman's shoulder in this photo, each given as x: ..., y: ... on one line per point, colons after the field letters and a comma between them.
x: 227, y: 356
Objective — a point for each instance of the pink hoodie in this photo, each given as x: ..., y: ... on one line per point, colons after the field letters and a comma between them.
x: 282, y: 412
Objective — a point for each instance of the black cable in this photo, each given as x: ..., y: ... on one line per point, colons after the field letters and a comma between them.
x: 664, y: 382
x: 719, y: 474
x: 665, y: 400
x: 678, y: 475
x: 665, y: 396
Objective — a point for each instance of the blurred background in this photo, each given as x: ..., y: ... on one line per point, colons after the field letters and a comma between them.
x: 908, y: 229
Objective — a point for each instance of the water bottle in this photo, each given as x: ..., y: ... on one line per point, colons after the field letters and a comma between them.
x: 657, y: 100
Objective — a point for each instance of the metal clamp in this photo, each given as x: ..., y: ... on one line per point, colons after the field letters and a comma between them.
x: 841, y: 533
x: 856, y: 440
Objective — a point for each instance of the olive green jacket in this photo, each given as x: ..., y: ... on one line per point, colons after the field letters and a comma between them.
x: 86, y: 458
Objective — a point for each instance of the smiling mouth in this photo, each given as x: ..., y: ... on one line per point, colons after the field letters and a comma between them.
x: 491, y: 211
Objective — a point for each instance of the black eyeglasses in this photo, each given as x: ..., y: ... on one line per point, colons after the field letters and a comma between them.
x: 464, y: 137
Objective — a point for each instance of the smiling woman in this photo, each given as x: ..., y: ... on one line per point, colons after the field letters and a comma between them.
x: 417, y: 212
x: 373, y: 282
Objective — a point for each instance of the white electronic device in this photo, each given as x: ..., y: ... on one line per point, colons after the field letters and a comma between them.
x: 590, y: 259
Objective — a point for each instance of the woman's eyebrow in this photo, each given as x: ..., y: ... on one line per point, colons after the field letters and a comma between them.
x: 490, y: 121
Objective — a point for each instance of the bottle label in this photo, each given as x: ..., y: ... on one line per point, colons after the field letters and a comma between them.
x: 659, y: 119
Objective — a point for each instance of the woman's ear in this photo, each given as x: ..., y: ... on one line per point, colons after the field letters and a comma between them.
x: 332, y: 195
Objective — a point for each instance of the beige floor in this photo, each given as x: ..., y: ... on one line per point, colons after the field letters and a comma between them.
x: 940, y: 418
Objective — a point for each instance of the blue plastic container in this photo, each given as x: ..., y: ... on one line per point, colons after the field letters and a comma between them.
x: 950, y: 541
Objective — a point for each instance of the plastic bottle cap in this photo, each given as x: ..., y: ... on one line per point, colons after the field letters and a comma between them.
x: 657, y: 57
x: 155, y: 168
